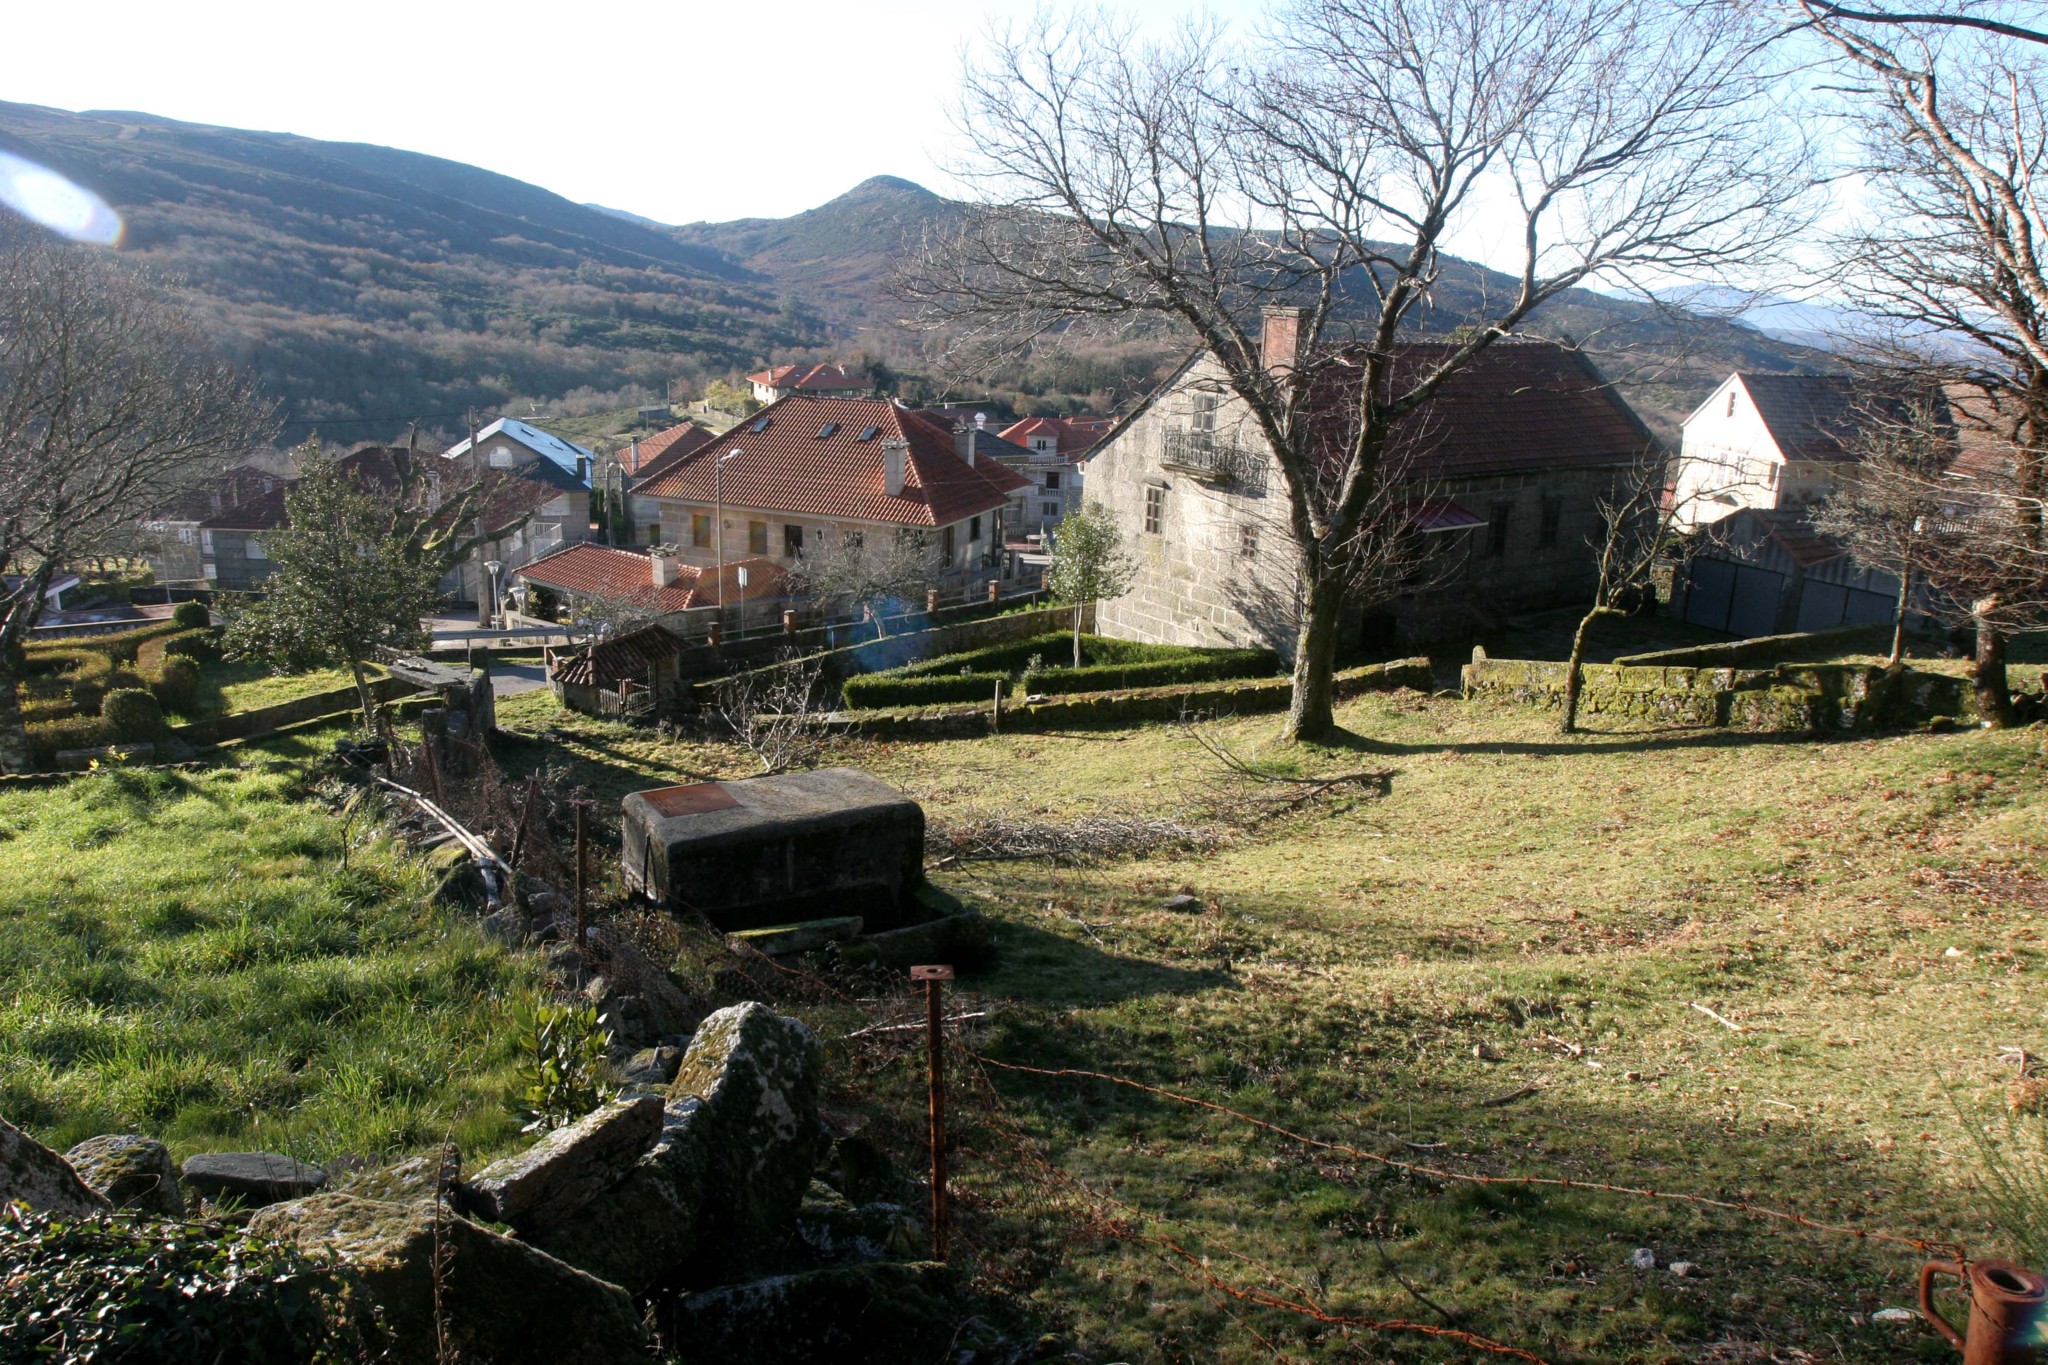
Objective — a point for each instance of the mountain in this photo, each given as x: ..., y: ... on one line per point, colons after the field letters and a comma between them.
x: 367, y: 285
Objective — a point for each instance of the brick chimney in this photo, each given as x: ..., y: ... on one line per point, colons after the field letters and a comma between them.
x: 1280, y: 344
x: 895, y: 466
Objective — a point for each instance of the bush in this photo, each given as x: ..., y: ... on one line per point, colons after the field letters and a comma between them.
x: 100, y: 1289
x: 893, y: 689
x: 191, y: 616
x: 177, y: 685
x: 75, y: 732
x: 1056, y: 647
x: 201, y: 646
x: 133, y: 715
x: 1204, y: 666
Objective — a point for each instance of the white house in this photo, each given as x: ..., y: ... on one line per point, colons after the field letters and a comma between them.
x: 543, y: 505
x: 1765, y: 441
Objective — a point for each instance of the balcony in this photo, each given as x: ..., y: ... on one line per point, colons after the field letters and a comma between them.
x: 1214, y: 459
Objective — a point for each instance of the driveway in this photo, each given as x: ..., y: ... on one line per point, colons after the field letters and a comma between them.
x: 509, y: 680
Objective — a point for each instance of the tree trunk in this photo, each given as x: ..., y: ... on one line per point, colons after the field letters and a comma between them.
x: 1994, y: 697
x: 1899, y: 618
x: 1574, y: 668
x: 14, y: 751
x: 1309, y: 712
x: 1077, y: 634
x: 368, y: 702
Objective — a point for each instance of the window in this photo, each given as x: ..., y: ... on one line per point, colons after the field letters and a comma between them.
x: 184, y: 535
x: 501, y: 457
x: 761, y: 425
x: 867, y: 434
x: 1202, y: 417
x: 1248, y: 541
x: 757, y: 537
x: 654, y: 534
x: 1731, y: 402
x: 854, y: 539
x: 700, y: 529
x: 825, y: 432
x: 946, y: 547
x: 1770, y: 476
x: 1049, y: 509
x: 206, y: 542
x: 1553, y: 513
x: 1497, y: 530
x: 256, y: 550
x: 1052, y: 481
x: 792, y: 541
x: 1155, y: 508
x: 974, y: 529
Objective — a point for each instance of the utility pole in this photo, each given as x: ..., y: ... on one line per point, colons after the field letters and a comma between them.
x: 483, y: 603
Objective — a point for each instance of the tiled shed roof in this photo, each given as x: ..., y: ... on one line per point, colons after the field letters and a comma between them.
x: 619, y: 659
x: 587, y: 569
x: 803, y: 456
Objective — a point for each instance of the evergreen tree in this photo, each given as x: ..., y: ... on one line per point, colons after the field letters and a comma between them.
x: 1089, y: 562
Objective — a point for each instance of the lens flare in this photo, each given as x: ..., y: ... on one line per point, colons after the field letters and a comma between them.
x: 41, y: 195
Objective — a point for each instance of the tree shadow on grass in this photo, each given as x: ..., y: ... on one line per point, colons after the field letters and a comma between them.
x: 1606, y: 742
x: 1036, y: 966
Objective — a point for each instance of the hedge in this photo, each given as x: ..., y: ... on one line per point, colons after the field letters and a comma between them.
x: 1207, y: 666
x: 133, y: 714
x: 201, y: 646
x: 191, y: 616
x: 177, y: 685
x: 893, y: 689
x: 76, y: 732
x: 120, y: 647
x: 1055, y: 648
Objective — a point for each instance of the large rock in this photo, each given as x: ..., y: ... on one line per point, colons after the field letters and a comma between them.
x: 549, y: 1181
x: 720, y: 1189
x: 32, y: 1174
x: 889, y: 1311
x: 429, y: 1175
x: 499, y: 1299
x: 130, y: 1172
x: 639, y: 1001
x: 251, y: 1179
x: 836, y: 1232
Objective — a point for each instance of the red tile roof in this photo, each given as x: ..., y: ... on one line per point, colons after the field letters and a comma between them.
x: 817, y: 378
x: 1519, y: 405
x: 1072, y: 437
x: 645, y: 458
x: 787, y: 467
x: 623, y: 658
x: 587, y: 569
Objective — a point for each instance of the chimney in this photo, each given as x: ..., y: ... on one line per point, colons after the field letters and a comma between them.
x: 1280, y: 346
x: 963, y: 443
x: 663, y: 565
x: 583, y: 470
x: 895, y: 466
x: 980, y: 421
x: 636, y: 454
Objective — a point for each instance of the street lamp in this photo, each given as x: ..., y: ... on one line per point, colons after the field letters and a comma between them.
x: 718, y: 521
x: 743, y: 599
x: 494, y: 567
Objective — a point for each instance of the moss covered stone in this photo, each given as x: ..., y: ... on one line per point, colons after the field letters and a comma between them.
x: 36, y: 1176
x: 131, y: 1172
x: 499, y: 1299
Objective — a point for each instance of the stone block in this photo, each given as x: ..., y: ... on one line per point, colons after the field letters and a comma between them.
x: 549, y: 1181
x: 251, y: 1179
x: 775, y: 850
x: 787, y: 939
x: 130, y: 1172
x: 32, y: 1174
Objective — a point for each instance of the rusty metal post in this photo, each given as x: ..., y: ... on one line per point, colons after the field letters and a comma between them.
x: 582, y: 813
x: 525, y: 814
x: 931, y: 600
x: 934, y: 978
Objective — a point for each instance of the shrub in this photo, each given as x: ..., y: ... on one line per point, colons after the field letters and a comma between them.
x: 75, y: 732
x: 132, y: 715
x: 562, y: 1051
x: 100, y: 1289
x: 191, y: 616
x: 177, y: 685
x: 893, y: 689
x: 1203, y: 666
x: 202, y: 646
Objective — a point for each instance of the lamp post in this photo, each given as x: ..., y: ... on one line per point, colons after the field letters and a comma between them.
x: 718, y: 522
x: 743, y: 599
x: 494, y: 567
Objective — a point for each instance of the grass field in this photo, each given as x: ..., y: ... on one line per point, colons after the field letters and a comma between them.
x: 1519, y: 912
x: 182, y: 954
x: 233, y: 685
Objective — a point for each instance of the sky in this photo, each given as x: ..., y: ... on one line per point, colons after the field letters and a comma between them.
x: 679, y: 110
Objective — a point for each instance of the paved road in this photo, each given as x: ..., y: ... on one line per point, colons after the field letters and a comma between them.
x: 509, y: 680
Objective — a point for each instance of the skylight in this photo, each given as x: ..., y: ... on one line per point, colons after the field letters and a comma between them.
x: 868, y: 435
x: 827, y: 430
x: 761, y: 425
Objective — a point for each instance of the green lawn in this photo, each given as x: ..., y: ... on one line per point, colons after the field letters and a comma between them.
x: 231, y: 685
x: 182, y: 954
x: 1522, y: 910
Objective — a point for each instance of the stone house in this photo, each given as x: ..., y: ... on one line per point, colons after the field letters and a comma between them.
x: 540, y: 502
x: 805, y: 471
x: 1765, y: 441
x: 818, y: 381
x: 1501, y: 476
x: 1057, y: 451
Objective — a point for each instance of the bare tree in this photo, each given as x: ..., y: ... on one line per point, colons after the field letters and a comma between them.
x: 866, y: 569
x: 1134, y: 183
x: 111, y: 403
x: 1954, y: 131
x: 1888, y: 506
x: 1638, y: 529
x: 773, y: 711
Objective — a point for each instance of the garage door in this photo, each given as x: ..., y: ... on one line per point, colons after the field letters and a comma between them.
x: 1823, y: 606
x: 1737, y: 598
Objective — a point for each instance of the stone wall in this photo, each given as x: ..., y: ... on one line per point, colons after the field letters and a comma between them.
x: 264, y: 719
x: 1788, y: 699
x: 1756, y: 649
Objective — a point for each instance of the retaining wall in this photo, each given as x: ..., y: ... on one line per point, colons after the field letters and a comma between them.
x: 264, y: 719
x: 1788, y: 699
x: 1758, y: 649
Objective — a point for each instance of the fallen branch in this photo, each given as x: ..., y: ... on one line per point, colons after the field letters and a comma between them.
x: 996, y: 839
x: 1306, y: 788
x: 497, y: 877
x: 873, y: 1030
x: 1720, y: 1019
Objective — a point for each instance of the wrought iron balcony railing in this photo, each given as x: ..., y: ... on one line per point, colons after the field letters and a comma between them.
x: 1214, y: 459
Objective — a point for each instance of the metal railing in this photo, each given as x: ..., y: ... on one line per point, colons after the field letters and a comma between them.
x: 1213, y: 458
